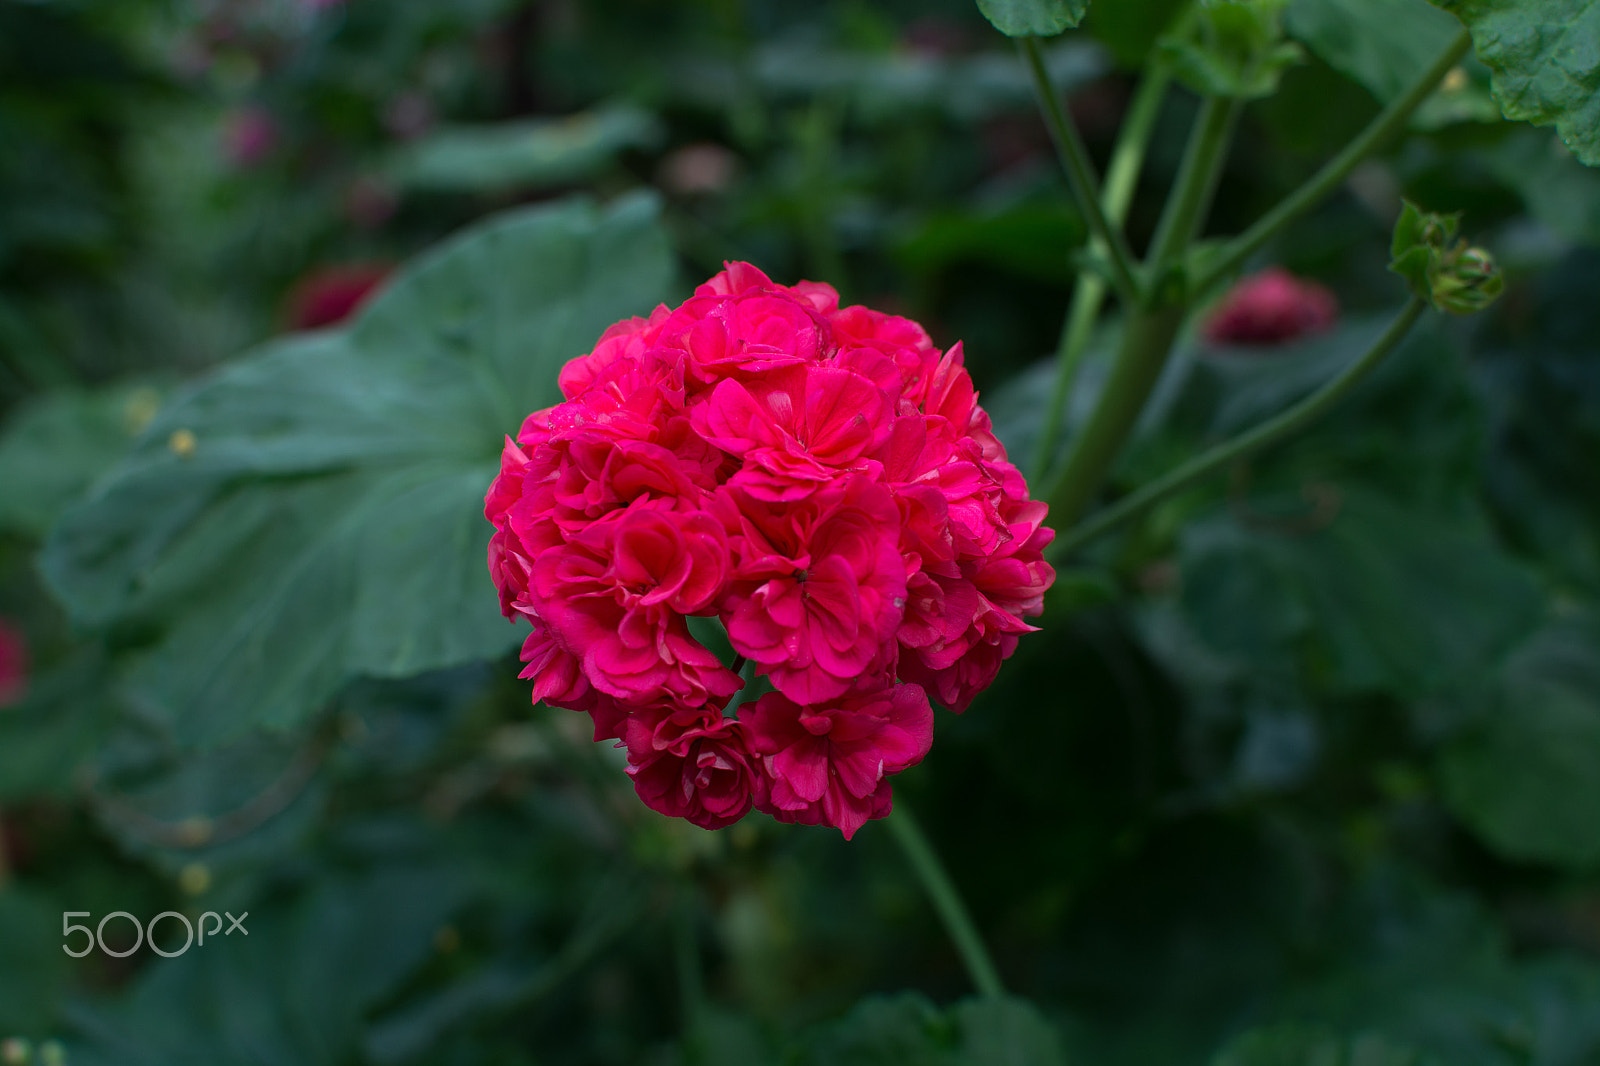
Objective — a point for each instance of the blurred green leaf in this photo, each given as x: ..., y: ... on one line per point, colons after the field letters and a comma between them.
x: 1034, y: 240
x: 56, y: 729
x: 907, y: 1030
x: 311, y: 513
x: 1378, y: 595
x: 1526, y: 775
x: 32, y: 965
x: 1130, y: 28
x: 55, y: 445
x: 1555, y: 187
x: 1545, y: 61
x: 1385, y: 46
x: 1038, y: 18
x: 1005, y: 1032
x: 1301, y: 1045
x: 522, y: 156
x: 293, y: 992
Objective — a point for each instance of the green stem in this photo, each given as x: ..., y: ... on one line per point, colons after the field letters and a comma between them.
x: 1331, y: 176
x: 1269, y: 432
x: 1122, y: 177
x: 946, y: 900
x: 691, y: 986
x: 1152, y: 327
x: 1147, y: 338
x: 1080, y: 172
x: 1195, y: 187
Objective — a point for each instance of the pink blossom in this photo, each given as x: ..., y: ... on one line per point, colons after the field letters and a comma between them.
x: 691, y: 763
x: 1272, y: 307
x: 819, y: 480
x: 819, y: 587
x: 830, y: 764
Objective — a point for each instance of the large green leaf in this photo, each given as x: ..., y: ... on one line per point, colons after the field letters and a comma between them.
x: 1376, y: 596
x: 58, y: 443
x: 294, y: 991
x: 1554, y: 187
x: 531, y: 154
x: 312, y: 512
x: 1040, y: 18
x: 1385, y: 46
x: 1545, y: 55
x: 1526, y: 776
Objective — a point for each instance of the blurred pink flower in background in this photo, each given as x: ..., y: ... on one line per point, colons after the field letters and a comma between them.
x: 1272, y: 307
x: 698, y: 168
x: 13, y: 664
x: 329, y: 295
x: 249, y: 137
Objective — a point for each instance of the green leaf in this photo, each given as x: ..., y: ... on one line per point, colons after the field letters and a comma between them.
x: 1005, y: 1032
x: 320, y: 518
x: 1301, y: 1045
x: 531, y: 154
x: 32, y: 965
x: 1385, y: 46
x: 58, y: 443
x: 907, y: 1030
x: 1379, y: 596
x: 1130, y: 28
x: 1526, y: 775
x: 1554, y: 187
x: 1545, y: 55
x: 1040, y: 18
x: 292, y: 993
x: 56, y: 728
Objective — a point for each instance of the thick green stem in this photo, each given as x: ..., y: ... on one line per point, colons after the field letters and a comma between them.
x: 1195, y: 187
x: 1269, y: 432
x: 946, y: 901
x: 1152, y: 327
x: 1080, y: 172
x: 1089, y: 293
x: 1147, y: 338
x: 1331, y: 176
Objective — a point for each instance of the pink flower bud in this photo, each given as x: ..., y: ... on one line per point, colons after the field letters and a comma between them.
x: 1272, y: 307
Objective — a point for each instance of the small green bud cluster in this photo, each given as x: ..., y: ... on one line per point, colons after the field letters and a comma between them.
x: 1232, y: 48
x: 1449, y: 273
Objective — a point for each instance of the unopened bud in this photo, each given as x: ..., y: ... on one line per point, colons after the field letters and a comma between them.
x: 1467, y: 282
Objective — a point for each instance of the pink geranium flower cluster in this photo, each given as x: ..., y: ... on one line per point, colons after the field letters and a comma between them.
x: 822, y: 481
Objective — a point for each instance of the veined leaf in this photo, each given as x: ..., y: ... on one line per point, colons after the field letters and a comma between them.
x: 1545, y: 55
x: 1386, y: 45
x: 312, y: 512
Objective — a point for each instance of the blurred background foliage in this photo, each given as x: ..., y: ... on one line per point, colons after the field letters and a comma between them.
x: 1303, y: 768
